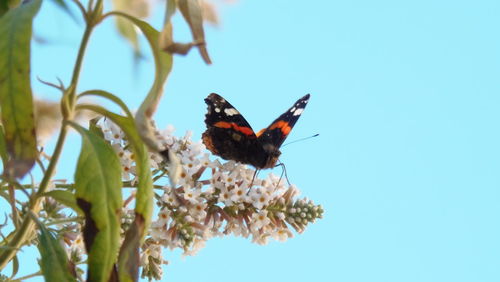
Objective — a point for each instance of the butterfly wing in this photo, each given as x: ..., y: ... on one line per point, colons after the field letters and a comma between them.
x: 275, y: 134
x: 228, y: 134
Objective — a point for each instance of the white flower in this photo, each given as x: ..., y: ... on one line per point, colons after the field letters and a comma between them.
x: 192, y: 195
x: 163, y: 217
x: 216, y: 181
x: 184, y: 179
x: 259, y: 198
x: 205, y: 161
x: 195, y: 148
x: 158, y: 231
x: 191, y: 165
x: 239, y: 193
x: 238, y: 230
x: 259, y: 220
x: 261, y: 238
x: 225, y: 197
x: 112, y: 132
x: 198, y: 212
x: 229, y: 179
x: 282, y: 234
x: 166, y: 135
x: 169, y: 198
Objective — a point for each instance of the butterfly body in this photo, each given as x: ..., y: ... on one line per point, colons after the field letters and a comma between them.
x: 229, y: 135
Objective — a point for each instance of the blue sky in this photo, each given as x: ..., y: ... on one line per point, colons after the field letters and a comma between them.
x: 405, y: 97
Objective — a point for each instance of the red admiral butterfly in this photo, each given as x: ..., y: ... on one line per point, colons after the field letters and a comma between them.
x: 229, y: 135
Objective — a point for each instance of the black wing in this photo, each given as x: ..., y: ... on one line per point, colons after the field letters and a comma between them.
x: 228, y: 134
x: 221, y: 113
x: 276, y: 133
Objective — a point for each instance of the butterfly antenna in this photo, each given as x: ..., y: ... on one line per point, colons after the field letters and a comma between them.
x: 301, y: 139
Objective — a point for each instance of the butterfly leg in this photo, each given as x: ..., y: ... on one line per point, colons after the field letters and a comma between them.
x: 283, y: 172
x: 253, y: 178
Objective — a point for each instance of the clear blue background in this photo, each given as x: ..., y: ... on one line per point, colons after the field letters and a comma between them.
x: 405, y: 96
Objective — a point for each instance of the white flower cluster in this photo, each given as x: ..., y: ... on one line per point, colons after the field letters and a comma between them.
x: 213, y: 199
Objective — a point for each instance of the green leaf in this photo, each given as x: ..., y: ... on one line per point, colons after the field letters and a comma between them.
x: 107, y: 95
x: 163, y: 65
x: 94, y: 128
x: 139, y: 134
x: 66, y: 198
x: 54, y: 261
x: 98, y: 194
x: 15, y: 267
x: 15, y: 90
x: 128, y: 261
x: 142, y: 132
x: 129, y: 258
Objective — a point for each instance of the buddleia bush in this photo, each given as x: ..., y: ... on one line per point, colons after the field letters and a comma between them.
x: 138, y: 190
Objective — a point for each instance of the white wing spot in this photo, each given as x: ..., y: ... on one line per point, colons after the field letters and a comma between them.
x: 292, y: 110
x: 298, y: 111
x: 231, y: 111
x: 217, y: 110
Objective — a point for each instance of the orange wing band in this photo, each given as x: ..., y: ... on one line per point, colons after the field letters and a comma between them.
x: 282, y: 125
x: 243, y: 129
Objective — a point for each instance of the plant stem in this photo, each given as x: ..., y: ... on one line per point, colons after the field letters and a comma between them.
x: 38, y: 273
x: 24, y: 232
x: 81, y: 53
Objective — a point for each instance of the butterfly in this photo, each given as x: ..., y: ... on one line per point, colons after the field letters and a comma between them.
x: 229, y: 135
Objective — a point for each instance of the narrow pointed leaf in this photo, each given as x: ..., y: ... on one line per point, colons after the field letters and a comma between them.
x: 54, y: 261
x: 15, y: 267
x: 98, y: 194
x: 16, y: 99
x: 163, y: 65
x: 192, y: 12
x: 128, y: 260
x: 143, y: 133
x: 166, y: 39
x: 107, y: 95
